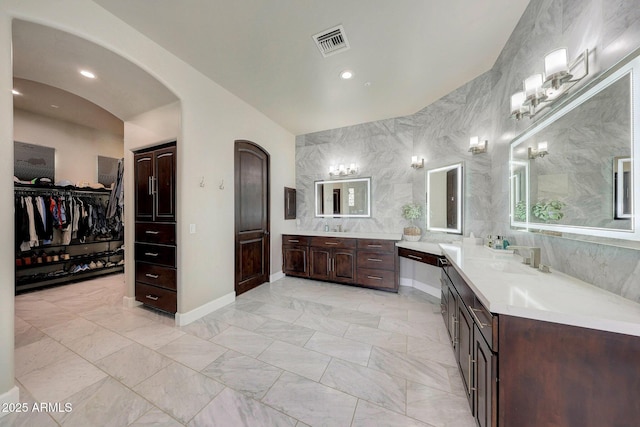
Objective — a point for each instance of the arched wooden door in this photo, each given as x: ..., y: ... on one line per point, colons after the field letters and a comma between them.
x: 252, y: 254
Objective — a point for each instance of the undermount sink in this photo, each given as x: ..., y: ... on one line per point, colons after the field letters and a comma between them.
x: 501, y: 266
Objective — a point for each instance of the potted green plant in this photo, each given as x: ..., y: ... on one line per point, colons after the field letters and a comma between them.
x: 548, y: 210
x: 412, y: 212
x: 520, y: 212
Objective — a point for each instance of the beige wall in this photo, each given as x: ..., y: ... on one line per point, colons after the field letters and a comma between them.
x: 211, y: 119
x: 77, y: 147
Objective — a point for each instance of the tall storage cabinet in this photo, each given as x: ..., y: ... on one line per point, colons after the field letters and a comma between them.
x: 155, y: 228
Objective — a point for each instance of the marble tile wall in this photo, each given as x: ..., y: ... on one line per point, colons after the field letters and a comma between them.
x: 440, y: 132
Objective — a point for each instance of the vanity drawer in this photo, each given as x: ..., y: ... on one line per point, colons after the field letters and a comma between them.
x: 333, y: 242
x: 156, y: 275
x: 377, y: 245
x: 290, y: 239
x: 160, y: 298
x: 487, y: 324
x: 153, y: 232
x: 384, y: 261
x: 419, y: 256
x: 377, y: 278
x: 156, y: 254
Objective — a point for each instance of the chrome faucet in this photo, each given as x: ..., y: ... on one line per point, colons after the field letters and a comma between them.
x: 533, y: 260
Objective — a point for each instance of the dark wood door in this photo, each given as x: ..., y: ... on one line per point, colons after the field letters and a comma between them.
x: 320, y: 263
x: 452, y: 198
x: 343, y: 266
x: 165, y: 185
x: 143, y: 170
x: 485, y: 391
x: 453, y: 313
x: 295, y: 261
x: 252, y: 242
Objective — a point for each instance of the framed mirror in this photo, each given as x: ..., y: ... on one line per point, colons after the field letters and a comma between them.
x: 444, y: 199
x: 573, y: 173
x: 343, y: 198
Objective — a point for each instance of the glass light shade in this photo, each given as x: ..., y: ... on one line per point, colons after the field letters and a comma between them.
x: 341, y: 168
x: 516, y: 102
x: 414, y: 160
x: 542, y: 146
x: 556, y: 62
x: 332, y: 169
x: 532, y: 85
x: 474, y: 141
x: 352, y: 166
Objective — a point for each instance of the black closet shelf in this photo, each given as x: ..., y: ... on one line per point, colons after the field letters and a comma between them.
x: 84, y: 257
x: 58, y: 189
x: 76, y: 243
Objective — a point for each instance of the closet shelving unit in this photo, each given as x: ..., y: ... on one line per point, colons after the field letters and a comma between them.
x: 51, y: 264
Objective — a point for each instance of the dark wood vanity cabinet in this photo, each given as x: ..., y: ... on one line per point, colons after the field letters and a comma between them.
x: 155, y: 227
x: 529, y: 373
x: 295, y: 255
x: 471, y: 330
x: 365, y: 262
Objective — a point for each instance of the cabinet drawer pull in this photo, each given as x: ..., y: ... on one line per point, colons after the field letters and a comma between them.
x: 153, y: 276
x: 151, y: 232
x: 374, y: 246
x: 331, y: 243
x: 374, y: 277
x: 419, y: 258
x: 475, y: 317
x: 294, y: 241
x: 151, y: 297
x: 151, y: 253
x: 374, y: 260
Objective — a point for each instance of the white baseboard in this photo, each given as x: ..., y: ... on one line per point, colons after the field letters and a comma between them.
x: 276, y: 276
x: 195, y: 314
x: 130, y: 302
x: 428, y: 289
x: 11, y: 396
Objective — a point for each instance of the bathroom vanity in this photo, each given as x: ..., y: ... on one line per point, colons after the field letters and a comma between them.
x: 363, y: 259
x: 538, y: 349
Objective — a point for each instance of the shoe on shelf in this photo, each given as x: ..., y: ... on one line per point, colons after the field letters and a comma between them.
x: 110, y: 264
x: 92, y: 265
x: 121, y: 262
x: 99, y: 264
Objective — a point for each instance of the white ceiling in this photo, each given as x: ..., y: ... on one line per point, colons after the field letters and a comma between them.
x: 412, y: 52
x: 46, y: 65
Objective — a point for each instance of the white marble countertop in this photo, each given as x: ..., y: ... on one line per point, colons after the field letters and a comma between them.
x: 506, y: 286
x: 355, y: 235
x: 430, y: 248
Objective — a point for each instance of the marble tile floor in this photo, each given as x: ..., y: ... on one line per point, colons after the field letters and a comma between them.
x: 290, y: 353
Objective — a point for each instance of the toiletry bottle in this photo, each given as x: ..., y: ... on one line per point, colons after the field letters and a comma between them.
x: 497, y: 243
x: 505, y: 244
x: 490, y: 241
x: 326, y: 226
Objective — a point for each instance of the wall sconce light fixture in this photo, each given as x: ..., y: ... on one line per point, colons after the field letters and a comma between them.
x: 476, y: 146
x: 541, y: 151
x: 417, y: 164
x: 342, y: 170
x: 540, y: 90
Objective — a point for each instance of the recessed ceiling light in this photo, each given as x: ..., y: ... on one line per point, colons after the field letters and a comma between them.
x: 55, y: 106
x: 88, y: 74
x: 346, y: 74
x: 15, y: 92
x: 367, y: 84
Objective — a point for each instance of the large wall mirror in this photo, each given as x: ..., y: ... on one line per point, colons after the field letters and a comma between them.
x: 343, y: 198
x: 444, y: 199
x: 573, y: 173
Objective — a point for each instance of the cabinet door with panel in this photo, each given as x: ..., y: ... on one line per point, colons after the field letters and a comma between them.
x: 295, y: 260
x: 343, y: 267
x: 464, y: 352
x: 484, y: 381
x: 320, y: 263
x: 143, y: 175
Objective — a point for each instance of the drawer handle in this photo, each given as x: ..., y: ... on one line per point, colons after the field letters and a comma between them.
x: 151, y: 297
x: 153, y: 276
x: 419, y: 258
x: 151, y: 253
x: 374, y: 277
x: 374, y: 260
x: 294, y: 241
x: 475, y: 317
x: 331, y: 243
x: 151, y: 232
x: 374, y: 246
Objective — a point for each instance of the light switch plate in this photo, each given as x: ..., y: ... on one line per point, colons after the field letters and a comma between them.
x: 192, y: 229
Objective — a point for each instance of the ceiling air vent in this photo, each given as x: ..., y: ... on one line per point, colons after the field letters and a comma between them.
x: 331, y: 41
